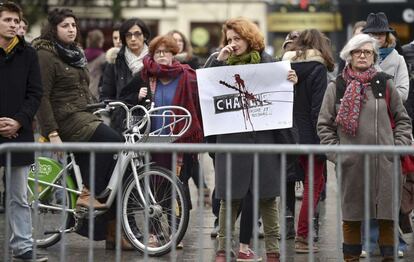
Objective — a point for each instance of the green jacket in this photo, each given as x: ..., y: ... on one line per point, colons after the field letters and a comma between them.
x: 65, y: 97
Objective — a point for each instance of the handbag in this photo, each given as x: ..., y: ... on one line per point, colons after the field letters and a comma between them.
x: 407, y: 161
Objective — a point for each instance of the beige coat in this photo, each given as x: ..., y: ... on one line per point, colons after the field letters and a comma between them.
x: 374, y: 129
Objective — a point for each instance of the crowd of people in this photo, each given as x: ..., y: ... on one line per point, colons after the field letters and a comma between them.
x: 367, y: 103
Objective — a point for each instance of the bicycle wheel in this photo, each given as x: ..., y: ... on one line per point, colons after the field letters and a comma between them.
x: 51, y: 218
x: 159, y: 217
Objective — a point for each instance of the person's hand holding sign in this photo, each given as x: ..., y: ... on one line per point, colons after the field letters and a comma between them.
x: 292, y: 77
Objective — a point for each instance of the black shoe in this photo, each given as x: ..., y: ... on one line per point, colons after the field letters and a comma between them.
x: 29, y: 257
x: 290, y: 227
x: 2, y: 210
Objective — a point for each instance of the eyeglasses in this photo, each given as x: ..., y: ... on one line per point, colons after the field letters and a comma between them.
x: 163, y: 52
x: 359, y: 52
x: 135, y: 34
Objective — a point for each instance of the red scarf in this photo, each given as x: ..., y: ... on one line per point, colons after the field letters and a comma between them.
x: 354, y: 97
x: 186, y: 94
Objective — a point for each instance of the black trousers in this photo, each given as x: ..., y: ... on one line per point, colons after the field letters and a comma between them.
x: 104, y: 162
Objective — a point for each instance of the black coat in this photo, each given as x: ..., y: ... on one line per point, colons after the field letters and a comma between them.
x: 242, y: 164
x: 408, y: 52
x: 118, y: 81
x: 119, y: 84
x: 309, y: 92
x: 20, y: 95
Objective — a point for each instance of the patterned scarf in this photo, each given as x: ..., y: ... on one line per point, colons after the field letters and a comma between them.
x: 249, y: 58
x: 354, y: 97
x: 71, y: 55
x: 186, y: 94
x: 134, y: 62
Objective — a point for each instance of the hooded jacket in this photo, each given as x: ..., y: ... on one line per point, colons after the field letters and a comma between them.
x: 66, y: 96
x: 20, y: 95
x: 118, y: 81
x: 309, y: 92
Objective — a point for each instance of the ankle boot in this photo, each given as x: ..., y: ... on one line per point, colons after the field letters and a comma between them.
x: 110, y: 242
x: 351, y: 252
x: 387, y: 253
x: 84, y: 198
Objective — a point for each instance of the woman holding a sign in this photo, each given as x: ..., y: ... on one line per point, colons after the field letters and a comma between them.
x: 311, y: 57
x: 243, y: 44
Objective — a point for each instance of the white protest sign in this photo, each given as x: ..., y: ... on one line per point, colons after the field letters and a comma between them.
x: 244, y: 98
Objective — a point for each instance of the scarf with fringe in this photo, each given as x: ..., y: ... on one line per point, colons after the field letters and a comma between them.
x: 186, y: 94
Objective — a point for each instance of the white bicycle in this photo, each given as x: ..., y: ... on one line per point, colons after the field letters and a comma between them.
x: 153, y: 205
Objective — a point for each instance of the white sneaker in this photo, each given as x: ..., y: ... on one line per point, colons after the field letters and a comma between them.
x: 363, y: 254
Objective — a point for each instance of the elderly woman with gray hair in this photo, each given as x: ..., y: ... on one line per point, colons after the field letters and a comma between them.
x: 356, y: 110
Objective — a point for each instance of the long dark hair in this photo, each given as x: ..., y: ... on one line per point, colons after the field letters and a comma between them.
x: 55, y: 17
x: 314, y: 39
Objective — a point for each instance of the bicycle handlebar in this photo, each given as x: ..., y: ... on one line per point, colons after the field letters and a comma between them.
x: 145, y: 117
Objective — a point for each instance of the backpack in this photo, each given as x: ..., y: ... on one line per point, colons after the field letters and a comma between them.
x: 379, y: 81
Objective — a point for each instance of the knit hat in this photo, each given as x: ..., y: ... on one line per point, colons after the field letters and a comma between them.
x: 377, y: 23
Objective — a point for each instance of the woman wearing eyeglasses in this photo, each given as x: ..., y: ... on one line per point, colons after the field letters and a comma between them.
x: 122, y: 75
x: 170, y: 83
x: 355, y: 111
x: 390, y: 61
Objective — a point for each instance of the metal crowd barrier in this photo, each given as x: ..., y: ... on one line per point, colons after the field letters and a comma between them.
x: 203, y: 254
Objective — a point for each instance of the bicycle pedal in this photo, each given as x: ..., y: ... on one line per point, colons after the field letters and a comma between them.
x: 81, y: 212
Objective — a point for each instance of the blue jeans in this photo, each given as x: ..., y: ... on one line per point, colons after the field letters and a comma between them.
x: 374, y: 235
x: 20, y: 220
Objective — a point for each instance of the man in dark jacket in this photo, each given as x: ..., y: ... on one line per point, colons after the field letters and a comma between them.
x: 408, y: 51
x: 20, y: 95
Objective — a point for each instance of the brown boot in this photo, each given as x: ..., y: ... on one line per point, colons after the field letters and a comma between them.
x: 351, y: 252
x: 84, y: 198
x: 351, y: 258
x: 110, y: 242
x: 302, y: 246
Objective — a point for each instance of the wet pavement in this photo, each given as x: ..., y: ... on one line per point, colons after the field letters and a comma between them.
x: 199, y: 246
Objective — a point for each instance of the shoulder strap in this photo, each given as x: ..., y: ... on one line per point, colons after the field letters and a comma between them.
x: 340, y: 89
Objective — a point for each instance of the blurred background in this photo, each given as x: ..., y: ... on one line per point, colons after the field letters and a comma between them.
x: 201, y: 20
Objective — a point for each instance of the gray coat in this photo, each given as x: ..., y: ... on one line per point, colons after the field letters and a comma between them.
x: 374, y: 129
x: 394, y: 65
x: 242, y: 164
